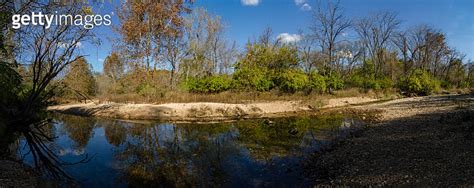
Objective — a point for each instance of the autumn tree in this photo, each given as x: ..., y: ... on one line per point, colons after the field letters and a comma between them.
x: 470, y: 74
x: 79, y: 79
x: 146, y: 24
x: 114, y: 67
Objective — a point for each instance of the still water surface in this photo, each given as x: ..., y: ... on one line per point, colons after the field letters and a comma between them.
x: 250, y: 153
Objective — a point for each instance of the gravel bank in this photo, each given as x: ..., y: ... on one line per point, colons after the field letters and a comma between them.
x: 14, y: 174
x: 423, y: 141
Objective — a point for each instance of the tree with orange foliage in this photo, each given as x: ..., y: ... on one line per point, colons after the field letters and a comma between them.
x: 145, y: 24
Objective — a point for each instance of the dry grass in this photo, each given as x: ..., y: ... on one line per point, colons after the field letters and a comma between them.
x: 224, y: 97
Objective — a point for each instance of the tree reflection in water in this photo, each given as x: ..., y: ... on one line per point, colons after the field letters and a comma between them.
x: 115, y: 132
x: 79, y: 129
x: 39, y: 138
x: 178, y: 155
x: 243, y: 153
x: 190, y: 154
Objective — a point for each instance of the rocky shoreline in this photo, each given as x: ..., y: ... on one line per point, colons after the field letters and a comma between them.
x: 426, y: 141
x: 15, y: 174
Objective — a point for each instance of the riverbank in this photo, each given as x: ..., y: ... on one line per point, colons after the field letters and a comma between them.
x: 204, y: 111
x: 417, y: 142
x: 15, y: 174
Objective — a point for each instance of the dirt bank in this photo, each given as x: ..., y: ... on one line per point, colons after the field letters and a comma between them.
x: 201, y: 111
x: 422, y: 141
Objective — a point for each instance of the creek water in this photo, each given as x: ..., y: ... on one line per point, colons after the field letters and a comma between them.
x: 249, y: 153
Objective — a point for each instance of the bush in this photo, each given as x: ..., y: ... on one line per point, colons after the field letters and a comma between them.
x: 252, y: 79
x: 364, y: 78
x: 355, y: 80
x: 317, y: 82
x: 146, y: 90
x: 292, y: 81
x: 334, y: 81
x: 209, y: 84
x: 419, y: 82
x: 377, y: 84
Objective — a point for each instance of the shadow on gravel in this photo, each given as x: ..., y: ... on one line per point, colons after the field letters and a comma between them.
x: 435, y: 101
x: 433, y: 149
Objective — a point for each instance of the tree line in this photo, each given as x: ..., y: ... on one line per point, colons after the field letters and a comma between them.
x: 192, y: 54
x: 173, y: 46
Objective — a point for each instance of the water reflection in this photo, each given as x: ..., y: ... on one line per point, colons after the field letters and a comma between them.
x: 244, y: 153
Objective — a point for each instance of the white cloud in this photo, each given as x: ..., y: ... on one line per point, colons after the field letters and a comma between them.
x: 344, y: 54
x: 289, y: 38
x: 69, y: 151
x: 79, y: 45
x: 303, y: 5
x: 250, y: 2
x: 300, y: 2
x: 306, y: 7
x: 66, y: 45
x: 100, y: 60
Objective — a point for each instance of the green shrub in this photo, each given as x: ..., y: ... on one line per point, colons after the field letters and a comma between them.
x: 334, y: 81
x: 445, y: 84
x: 386, y: 83
x: 252, y: 79
x: 292, y: 80
x: 355, y: 80
x: 419, y: 82
x: 377, y: 84
x: 10, y: 81
x: 209, y: 84
x: 146, y: 90
x: 368, y: 81
x: 317, y: 82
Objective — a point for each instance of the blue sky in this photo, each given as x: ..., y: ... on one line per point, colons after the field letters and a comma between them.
x: 246, y: 19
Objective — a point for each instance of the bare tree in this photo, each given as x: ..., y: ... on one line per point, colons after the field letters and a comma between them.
x: 348, y: 55
x: 49, y: 51
x: 266, y: 37
x: 215, y: 31
x: 329, y: 25
x: 305, y: 49
x: 402, y: 43
x: 176, y: 49
x: 422, y: 47
x: 204, y: 34
x: 43, y: 54
x: 376, y: 32
x: 228, y: 55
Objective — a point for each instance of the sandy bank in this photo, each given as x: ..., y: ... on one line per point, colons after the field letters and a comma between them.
x: 199, y: 111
